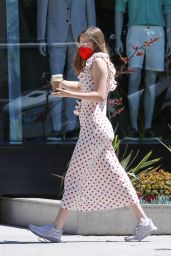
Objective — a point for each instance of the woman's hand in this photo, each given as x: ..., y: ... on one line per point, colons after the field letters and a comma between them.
x: 62, y: 93
x: 56, y: 85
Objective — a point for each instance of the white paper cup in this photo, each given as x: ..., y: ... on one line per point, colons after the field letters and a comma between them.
x: 56, y: 79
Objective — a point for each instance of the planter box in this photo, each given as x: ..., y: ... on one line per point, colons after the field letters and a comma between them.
x: 23, y: 211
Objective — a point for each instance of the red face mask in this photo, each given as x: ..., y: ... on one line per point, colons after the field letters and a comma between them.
x: 85, y: 52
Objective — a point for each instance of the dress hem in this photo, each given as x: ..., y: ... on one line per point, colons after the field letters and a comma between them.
x: 101, y: 209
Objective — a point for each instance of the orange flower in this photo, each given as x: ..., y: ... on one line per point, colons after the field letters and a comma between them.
x: 135, y: 47
x: 125, y: 60
x: 154, y: 184
x: 139, y: 53
x: 151, y: 41
x: 130, y: 70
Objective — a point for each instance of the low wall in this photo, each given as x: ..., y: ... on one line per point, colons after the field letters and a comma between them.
x: 23, y: 211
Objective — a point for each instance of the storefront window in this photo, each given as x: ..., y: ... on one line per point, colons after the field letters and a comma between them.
x: 148, y: 87
x: 37, y: 40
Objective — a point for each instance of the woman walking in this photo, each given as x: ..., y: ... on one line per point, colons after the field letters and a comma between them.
x: 95, y: 180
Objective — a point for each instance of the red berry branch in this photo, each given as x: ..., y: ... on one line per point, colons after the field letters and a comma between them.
x: 116, y: 106
x: 138, y: 51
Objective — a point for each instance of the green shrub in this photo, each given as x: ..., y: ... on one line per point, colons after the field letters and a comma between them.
x: 153, y: 185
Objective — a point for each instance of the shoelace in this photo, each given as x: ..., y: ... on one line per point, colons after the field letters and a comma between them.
x: 136, y: 229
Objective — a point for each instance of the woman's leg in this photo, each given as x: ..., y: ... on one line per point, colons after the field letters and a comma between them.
x: 61, y: 218
x: 138, y: 212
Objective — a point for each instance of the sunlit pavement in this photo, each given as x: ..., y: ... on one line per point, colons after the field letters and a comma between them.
x: 17, y: 241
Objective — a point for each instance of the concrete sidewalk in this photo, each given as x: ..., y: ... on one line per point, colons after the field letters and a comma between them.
x: 21, y: 242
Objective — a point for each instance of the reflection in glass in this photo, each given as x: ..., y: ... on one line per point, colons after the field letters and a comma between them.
x: 58, y: 25
x: 152, y: 18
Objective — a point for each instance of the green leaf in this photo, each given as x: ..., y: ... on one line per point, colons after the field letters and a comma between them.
x: 168, y: 147
x: 144, y: 166
x: 144, y: 162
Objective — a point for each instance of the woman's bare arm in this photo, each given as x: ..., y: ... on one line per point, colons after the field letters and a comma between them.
x: 70, y: 85
x: 99, y: 74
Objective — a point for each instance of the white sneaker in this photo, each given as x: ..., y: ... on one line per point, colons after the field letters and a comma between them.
x: 142, y: 230
x: 48, y: 232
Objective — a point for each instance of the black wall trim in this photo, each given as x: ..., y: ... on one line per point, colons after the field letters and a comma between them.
x: 27, y: 170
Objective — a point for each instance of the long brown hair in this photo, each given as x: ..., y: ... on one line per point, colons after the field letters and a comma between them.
x: 96, y: 36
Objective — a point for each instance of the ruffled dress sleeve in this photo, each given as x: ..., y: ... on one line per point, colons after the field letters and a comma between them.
x: 111, y: 82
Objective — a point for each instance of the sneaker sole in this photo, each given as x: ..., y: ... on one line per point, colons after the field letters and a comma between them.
x: 51, y: 239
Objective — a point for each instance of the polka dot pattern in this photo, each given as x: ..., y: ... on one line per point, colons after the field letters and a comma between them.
x: 95, y: 180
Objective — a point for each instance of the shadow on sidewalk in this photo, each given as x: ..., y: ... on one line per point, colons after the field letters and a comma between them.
x: 18, y: 242
x: 82, y: 241
x: 164, y: 249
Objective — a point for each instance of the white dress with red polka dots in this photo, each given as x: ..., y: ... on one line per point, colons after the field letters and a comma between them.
x: 95, y: 180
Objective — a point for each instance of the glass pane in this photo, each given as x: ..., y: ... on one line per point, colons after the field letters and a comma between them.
x: 145, y: 90
x: 35, y: 44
